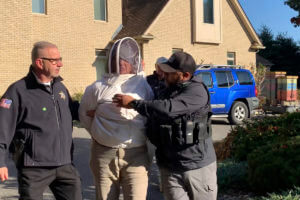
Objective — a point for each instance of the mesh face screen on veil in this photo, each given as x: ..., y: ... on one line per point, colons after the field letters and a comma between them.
x: 126, y: 49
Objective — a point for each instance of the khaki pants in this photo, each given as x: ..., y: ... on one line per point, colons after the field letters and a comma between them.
x: 198, y: 184
x: 114, y: 167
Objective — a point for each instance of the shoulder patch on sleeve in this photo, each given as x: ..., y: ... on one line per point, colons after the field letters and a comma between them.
x: 5, y: 103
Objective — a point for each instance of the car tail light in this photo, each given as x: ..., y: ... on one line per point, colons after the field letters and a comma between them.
x: 256, y: 91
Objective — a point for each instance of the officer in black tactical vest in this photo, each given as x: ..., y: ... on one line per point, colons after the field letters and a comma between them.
x: 179, y: 126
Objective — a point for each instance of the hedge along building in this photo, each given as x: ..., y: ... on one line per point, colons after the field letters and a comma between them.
x: 213, y: 31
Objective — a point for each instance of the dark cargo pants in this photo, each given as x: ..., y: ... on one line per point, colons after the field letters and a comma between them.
x: 63, y: 181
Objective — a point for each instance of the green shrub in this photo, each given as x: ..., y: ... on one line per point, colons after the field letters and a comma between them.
x: 259, y: 132
x: 77, y: 96
x: 271, y: 147
x: 232, y: 175
x: 275, y: 166
x: 293, y: 194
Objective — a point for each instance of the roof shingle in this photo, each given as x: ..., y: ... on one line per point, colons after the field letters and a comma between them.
x: 138, y: 15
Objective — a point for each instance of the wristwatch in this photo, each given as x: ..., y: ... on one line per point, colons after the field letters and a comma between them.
x: 133, y: 103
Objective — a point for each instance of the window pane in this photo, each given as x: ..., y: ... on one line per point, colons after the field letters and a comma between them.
x: 221, y: 79
x: 244, y: 78
x: 206, y: 78
x: 38, y: 6
x: 229, y: 78
x: 230, y: 55
x: 224, y: 78
x: 100, y: 10
x: 208, y: 11
x: 230, y: 58
x: 101, y: 62
x: 230, y: 62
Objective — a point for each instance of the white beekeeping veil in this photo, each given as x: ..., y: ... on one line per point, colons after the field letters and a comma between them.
x: 125, y: 49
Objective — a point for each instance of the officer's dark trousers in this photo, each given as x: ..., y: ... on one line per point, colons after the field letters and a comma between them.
x: 64, y: 182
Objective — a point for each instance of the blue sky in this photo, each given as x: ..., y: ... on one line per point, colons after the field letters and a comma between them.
x: 272, y: 13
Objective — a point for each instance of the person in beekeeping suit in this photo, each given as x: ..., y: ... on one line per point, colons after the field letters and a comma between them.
x: 119, y: 155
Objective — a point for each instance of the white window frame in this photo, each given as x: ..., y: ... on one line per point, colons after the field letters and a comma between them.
x: 213, y: 32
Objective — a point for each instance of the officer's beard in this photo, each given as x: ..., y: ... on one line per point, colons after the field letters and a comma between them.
x: 174, y: 82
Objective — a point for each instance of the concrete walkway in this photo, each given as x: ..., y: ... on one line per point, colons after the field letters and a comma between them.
x: 8, y: 190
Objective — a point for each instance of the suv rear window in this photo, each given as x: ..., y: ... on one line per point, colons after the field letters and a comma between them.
x: 206, y: 78
x: 224, y: 78
x: 244, y: 78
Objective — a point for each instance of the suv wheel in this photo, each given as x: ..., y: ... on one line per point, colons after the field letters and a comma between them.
x: 239, y: 112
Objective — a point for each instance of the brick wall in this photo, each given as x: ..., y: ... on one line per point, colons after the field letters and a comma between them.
x: 15, y: 41
x: 71, y: 26
x: 68, y: 24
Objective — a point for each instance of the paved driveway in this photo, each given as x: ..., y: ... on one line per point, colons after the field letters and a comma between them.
x: 8, y: 190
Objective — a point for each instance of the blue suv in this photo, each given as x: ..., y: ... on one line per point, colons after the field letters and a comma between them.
x: 232, y: 91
